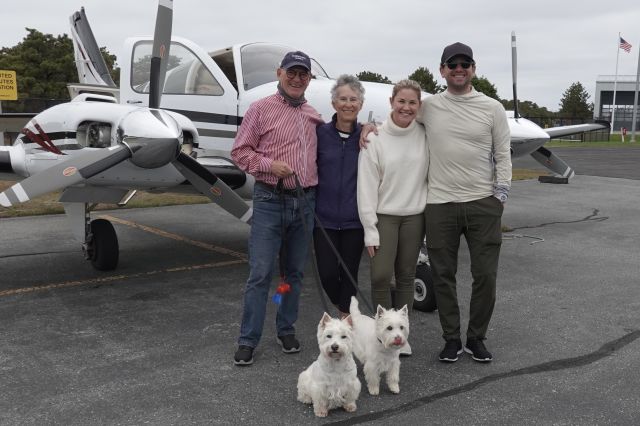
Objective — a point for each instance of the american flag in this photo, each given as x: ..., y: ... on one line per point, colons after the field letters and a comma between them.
x: 625, y: 45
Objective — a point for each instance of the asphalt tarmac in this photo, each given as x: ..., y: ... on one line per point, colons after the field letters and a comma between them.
x: 152, y: 343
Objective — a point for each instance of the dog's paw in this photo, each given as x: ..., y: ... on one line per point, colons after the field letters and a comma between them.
x: 374, y: 390
x: 395, y: 388
x: 320, y: 412
x: 305, y: 399
x: 350, y: 408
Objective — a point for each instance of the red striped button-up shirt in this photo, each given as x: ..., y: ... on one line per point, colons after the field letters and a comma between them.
x: 272, y: 130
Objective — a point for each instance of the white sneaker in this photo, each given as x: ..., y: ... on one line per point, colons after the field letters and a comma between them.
x: 406, y: 350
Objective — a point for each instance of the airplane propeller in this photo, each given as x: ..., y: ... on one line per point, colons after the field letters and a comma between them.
x: 149, y: 138
x: 542, y: 155
x: 514, y: 74
x: 160, y: 51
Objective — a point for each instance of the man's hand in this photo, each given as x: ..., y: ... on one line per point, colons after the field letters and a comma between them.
x: 366, y: 129
x: 372, y: 250
x: 281, y: 169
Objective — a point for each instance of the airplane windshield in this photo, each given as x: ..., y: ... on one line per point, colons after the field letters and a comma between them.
x: 260, y: 61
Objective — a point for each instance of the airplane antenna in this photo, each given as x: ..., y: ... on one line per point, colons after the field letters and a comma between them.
x: 160, y: 51
x: 514, y: 71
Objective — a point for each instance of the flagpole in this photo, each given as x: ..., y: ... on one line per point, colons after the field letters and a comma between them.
x: 635, y: 101
x: 615, y: 84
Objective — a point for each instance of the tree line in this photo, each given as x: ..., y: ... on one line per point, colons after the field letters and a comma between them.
x: 45, y: 64
x: 574, y: 103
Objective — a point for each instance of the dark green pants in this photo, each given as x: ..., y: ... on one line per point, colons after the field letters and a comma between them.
x: 400, y: 241
x: 480, y: 223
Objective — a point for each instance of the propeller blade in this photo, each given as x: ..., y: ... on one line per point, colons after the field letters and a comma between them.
x: 553, y: 162
x: 213, y: 187
x: 160, y: 51
x: 514, y: 74
x: 71, y: 171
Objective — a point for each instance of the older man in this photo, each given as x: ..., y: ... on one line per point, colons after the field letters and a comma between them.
x: 276, y: 140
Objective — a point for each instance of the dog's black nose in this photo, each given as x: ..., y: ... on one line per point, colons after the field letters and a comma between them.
x: 335, y: 347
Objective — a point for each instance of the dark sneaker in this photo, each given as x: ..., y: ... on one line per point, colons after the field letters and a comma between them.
x: 452, y: 348
x: 478, y: 352
x: 243, y: 356
x: 289, y: 343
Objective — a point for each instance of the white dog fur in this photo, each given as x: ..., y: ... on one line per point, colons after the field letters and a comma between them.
x: 377, y: 343
x: 331, y: 381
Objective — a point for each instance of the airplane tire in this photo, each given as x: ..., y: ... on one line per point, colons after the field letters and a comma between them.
x: 104, y: 244
x: 424, y: 297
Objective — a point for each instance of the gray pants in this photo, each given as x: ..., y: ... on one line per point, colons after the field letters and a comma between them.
x: 480, y: 223
x: 400, y: 240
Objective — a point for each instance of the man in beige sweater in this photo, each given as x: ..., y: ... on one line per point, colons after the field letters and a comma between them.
x: 469, y: 180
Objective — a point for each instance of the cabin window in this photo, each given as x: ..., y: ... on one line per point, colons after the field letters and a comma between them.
x: 186, y: 74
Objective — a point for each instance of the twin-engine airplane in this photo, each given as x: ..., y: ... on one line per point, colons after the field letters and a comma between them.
x: 105, y: 144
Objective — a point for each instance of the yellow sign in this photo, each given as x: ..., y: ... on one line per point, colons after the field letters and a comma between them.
x: 8, y: 86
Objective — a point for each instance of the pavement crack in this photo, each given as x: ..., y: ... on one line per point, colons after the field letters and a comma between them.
x: 593, y: 217
x: 605, y: 350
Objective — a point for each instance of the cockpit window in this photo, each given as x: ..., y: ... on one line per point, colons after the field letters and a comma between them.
x: 186, y: 74
x: 261, y: 60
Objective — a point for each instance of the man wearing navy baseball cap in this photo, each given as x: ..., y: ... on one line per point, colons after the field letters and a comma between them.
x: 277, y: 143
x: 296, y: 59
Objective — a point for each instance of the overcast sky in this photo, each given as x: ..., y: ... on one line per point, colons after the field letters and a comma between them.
x: 559, y: 42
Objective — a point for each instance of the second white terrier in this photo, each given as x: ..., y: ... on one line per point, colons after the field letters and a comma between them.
x: 377, y: 344
x: 332, y: 380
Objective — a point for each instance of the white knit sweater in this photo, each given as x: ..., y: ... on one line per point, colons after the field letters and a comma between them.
x: 392, y: 175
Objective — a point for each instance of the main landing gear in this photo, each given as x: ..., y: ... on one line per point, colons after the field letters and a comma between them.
x: 98, y: 237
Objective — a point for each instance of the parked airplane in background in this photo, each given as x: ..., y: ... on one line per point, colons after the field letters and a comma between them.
x: 108, y: 141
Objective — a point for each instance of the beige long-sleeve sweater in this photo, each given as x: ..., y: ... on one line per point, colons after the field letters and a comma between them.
x: 469, y: 147
x: 392, y: 175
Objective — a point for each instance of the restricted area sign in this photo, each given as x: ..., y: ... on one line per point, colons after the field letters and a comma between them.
x: 8, y: 85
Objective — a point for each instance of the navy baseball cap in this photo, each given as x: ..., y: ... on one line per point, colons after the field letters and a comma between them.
x: 296, y: 59
x: 456, y: 49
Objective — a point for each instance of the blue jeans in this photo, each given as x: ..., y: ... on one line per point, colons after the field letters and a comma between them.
x: 265, y: 240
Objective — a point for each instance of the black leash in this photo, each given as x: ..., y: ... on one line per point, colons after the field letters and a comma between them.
x: 300, y: 194
x: 283, y: 248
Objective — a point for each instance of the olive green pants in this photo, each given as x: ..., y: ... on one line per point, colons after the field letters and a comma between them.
x: 480, y: 223
x: 400, y: 241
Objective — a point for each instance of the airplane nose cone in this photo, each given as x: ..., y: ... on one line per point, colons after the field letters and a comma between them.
x: 153, y: 136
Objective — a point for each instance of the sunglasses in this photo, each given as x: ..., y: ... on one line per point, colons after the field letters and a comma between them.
x: 454, y: 65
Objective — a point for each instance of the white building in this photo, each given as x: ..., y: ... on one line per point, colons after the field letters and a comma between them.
x: 603, y: 102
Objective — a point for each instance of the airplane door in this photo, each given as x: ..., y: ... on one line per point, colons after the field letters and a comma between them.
x: 195, y: 86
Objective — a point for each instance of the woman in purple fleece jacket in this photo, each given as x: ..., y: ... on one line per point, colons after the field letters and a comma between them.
x: 336, y: 205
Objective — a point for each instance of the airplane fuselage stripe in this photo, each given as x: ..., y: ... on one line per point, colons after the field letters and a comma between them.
x: 217, y: 133
x: 209, y: 117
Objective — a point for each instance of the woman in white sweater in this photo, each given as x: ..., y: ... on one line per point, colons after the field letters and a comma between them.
x: 392, y: 194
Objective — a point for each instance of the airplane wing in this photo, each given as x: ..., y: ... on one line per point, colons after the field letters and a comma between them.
x: 556, y: 132
x: 554, y: 163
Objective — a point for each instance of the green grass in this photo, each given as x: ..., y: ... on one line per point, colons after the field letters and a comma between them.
x: 614, y: 142
x: 48, y: 204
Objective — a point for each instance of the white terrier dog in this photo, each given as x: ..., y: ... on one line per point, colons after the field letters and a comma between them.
x: 377, y: 343
x: 332, y: 380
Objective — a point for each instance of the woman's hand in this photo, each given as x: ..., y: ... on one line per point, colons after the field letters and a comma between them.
x: 372, y: 250
x: 366, y: 129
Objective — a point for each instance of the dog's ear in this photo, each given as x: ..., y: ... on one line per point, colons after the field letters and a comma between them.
x: 405, y: 310
x: 380, y: 311
x: 348, y: 320
x: 324, y: 320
